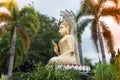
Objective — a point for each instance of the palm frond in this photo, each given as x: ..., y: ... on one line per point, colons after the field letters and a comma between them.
x: 20, y: 55
x: 87, y: 7
x: 18, y: 52
x: 78, y: 15
x: 99, y: 4
x: 2, y: 4
x: 115, y: 1
x: 25, y: 37
x: 94, y: 33
x: 4, y: 46
x: 111, y: 11
x: 10, y: 5
x: 81, y: 27
x: 27, y: 10
x: 28, y: 18
x: 108, y: 37
x: 29, y: 23
x: 4, y: 17
x: 29, y: 27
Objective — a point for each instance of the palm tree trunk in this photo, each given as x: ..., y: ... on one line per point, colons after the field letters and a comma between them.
x: 80, y: 53
x: 12, y: 51
x: 77, y: 51
x: 101, y: 45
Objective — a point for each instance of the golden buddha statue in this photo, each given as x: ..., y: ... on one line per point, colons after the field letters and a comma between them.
x: 66, y: 55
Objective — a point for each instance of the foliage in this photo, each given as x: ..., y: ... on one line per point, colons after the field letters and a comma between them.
x: 27, y: 26
x: 19, y: 76
x: 88, y: 62
x: 4, y: 48
x: 117, y: 65
x: 4, y: 40
x: 42, y: 49
x: 3, y: 77
x: 4, y: 51
x: 105, y: 72
x: 53, y: 73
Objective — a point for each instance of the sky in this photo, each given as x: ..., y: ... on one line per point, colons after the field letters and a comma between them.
x: 52, y: 8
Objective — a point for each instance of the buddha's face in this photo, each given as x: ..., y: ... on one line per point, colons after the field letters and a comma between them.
x: 62, y: 30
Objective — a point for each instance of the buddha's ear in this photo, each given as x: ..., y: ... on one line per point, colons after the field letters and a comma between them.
x: 67, y: 32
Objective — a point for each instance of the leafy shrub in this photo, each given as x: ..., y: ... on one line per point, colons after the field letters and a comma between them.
x: 53, y: 73
x: 117, y: 65
x: 20, y: 76
x: 105, y: 72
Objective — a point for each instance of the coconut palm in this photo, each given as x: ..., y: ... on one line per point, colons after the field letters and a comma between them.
x: 79, y: 39
x: 99, y: 30
x: 22, y: 23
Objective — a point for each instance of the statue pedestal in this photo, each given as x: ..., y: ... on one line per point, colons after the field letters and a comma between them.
x: 81, y: 68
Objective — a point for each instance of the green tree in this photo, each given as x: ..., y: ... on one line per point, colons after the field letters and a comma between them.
x: 42, y: 51
x: 99, y: 29
x: 88, y: 62
x: 24, y: 22
x: 4, y: 48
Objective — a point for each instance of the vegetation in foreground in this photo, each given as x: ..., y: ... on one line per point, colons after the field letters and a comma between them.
x: 47, y: 73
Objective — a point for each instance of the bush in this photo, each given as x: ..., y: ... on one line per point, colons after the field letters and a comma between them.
x: 53, y: 73
x: 20, y: 76
x: 117, y: 65
x: 105, y: 72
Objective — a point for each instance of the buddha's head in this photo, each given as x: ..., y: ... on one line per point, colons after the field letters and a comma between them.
x: 64, y: 28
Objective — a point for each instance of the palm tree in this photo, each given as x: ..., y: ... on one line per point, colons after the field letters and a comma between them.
x: 99, y: 29
x: 23, y: 23
x: 79, y: 43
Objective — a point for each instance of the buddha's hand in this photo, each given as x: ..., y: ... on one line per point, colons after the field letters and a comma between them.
x: 55, y: 47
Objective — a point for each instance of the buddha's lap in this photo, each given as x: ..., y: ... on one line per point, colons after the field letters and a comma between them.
x: 63, y: 60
